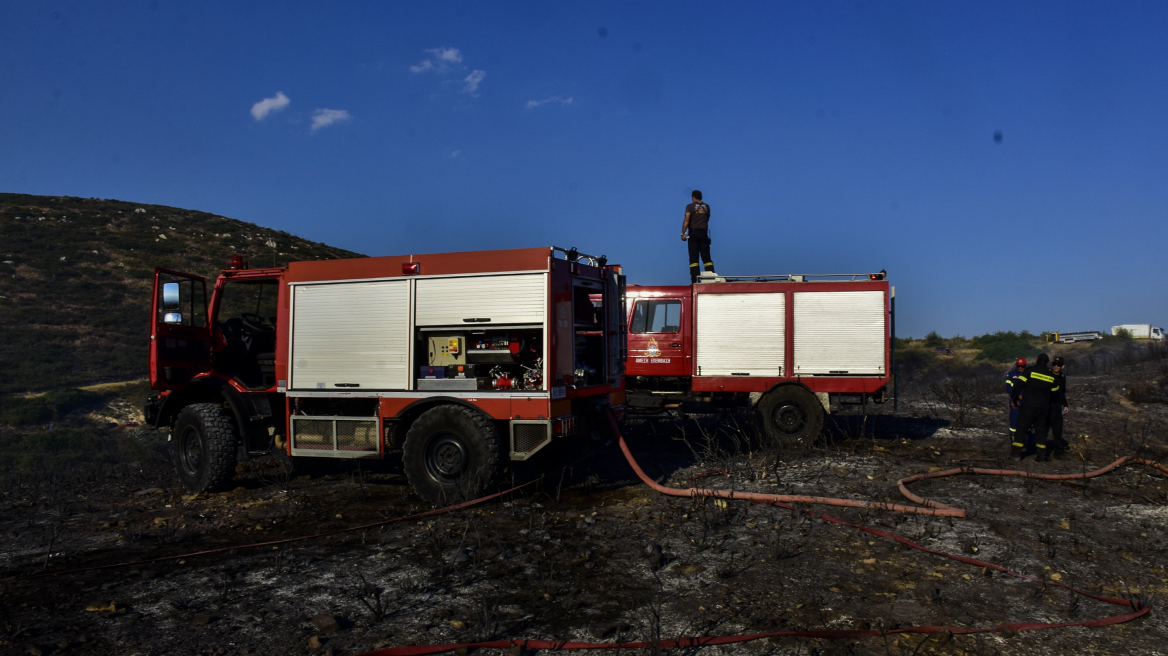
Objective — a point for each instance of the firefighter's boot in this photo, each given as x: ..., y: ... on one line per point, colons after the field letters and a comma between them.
x: 1015, y: 445
x: 1043, y: 454
x: 1060, y: 449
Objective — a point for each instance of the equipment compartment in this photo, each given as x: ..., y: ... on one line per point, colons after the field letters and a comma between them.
x: 481, y: 359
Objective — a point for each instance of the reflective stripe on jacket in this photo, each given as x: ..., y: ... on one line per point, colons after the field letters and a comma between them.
x: 1036, y: 388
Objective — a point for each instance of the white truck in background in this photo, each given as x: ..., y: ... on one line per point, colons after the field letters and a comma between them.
x: 1140, y: 330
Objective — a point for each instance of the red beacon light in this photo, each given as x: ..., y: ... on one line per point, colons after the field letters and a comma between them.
x: 877, y: 276
x: 238, y: 261
x: 411, y: 268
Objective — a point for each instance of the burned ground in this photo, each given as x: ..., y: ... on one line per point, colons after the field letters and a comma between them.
x: 591, y: 554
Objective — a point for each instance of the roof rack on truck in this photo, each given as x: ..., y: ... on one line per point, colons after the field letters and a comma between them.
x: 803, y: 277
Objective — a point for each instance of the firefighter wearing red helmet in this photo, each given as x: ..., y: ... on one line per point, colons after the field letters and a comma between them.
x: 1034, y: 396
x: 1017, y: 442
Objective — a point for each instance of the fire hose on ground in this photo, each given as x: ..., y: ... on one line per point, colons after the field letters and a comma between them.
x: 793, y: 502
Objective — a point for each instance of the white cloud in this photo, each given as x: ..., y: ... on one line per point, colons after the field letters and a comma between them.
x: 439, y: 60
x: 532, y: 104
x: 322, y: 118
x: 455, y: 154
x: 266, y: 106
x: 447, y: 64
x: 472, y: 81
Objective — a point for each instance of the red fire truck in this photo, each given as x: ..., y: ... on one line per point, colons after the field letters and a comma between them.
x: 461, y: 360
x: 784, y: 345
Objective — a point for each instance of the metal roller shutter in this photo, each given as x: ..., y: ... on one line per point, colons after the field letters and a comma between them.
x: 839, y: 333
x: 741, y: 334
x: 350, y: 334
x: 508, y: 299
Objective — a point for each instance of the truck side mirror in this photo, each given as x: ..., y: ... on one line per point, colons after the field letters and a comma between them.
x: 172, y: 317
x: 170, y: 298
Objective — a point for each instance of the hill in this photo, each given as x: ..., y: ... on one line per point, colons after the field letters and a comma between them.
x: 76, y: 277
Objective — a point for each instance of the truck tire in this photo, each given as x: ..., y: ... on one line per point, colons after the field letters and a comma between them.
x: 204, y: 447
x: 791, y: 416
x: 451, y: 454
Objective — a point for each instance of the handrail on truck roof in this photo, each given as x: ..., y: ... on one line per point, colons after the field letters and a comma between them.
x: 808, y: 277
x: 573, y: 255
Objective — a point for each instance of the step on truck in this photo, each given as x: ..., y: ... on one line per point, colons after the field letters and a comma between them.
x: 785, y: 346
x: 460, y: 361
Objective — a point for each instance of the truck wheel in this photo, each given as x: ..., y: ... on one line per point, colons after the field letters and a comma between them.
x: 204, y: 447
x: 791, y: 416
x: 451, y: 454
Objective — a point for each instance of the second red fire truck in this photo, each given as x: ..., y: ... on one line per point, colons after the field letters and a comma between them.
x: 784, y: 345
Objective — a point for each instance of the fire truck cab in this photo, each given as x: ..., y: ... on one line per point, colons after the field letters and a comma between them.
x: 460, y: 360
x: 783, y: 345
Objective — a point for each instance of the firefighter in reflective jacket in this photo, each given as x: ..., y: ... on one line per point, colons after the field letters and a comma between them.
x: 1016, y: 440
x: 1033, y: 396
x: 1058, y: 408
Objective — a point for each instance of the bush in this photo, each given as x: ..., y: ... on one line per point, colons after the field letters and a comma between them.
x: 957, y: 391
x: 51, y: 406
x: 933, y: 340
x: 911, y: 363
x: 1004, y: 346
x: 63, y: 449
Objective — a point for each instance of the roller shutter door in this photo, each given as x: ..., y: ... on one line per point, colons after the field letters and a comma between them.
x: 508, y: 299
x: 741, y: 334
x: 350, y: 336
x: 839, y: 333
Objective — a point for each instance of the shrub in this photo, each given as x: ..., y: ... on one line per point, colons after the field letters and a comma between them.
x: 910, y: 363
x: 65, y: 449
x: 1004, y: 346
x: 957, y: 390
x: 51, y: 406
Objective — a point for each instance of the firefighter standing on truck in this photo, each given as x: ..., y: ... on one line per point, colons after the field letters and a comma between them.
x: 697, y: 223
x: 1033, y: 396
x: 1058, y: 408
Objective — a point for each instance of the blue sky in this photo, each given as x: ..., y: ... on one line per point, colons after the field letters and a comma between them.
x: 827, y: 136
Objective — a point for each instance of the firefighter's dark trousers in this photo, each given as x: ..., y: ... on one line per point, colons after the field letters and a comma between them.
x: 1056, y: 429
x: 1035, y: 419
x: 1019, y: 440
x: 699, y: 247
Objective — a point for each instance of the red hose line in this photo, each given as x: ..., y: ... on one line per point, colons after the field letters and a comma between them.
x: 902, y: 483
x: 777, y: 500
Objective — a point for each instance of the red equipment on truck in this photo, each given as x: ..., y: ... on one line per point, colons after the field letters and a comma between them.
x: 784, y: 345
x: 461, y: 360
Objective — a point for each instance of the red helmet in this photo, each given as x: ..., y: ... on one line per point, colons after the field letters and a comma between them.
x: 1021, y: 362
